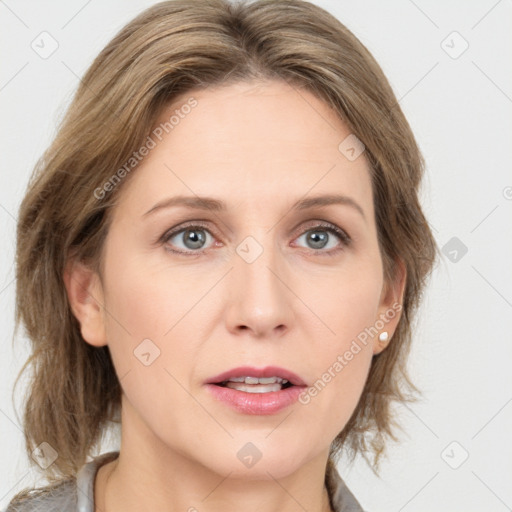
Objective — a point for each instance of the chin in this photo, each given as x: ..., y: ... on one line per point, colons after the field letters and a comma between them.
x: 258, y: 460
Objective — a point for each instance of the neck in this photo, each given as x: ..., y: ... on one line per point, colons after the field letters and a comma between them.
x: 121, y: 486
x: 151, y: 475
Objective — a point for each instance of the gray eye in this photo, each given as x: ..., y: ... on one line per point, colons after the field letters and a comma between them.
x: 192, y: 238
x: 318, y: 238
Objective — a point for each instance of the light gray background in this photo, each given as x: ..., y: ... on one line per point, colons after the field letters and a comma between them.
x: 460, y: 111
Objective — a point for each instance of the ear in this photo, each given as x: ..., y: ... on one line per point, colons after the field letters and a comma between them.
x: 390, y: 307
x: 85, y: 294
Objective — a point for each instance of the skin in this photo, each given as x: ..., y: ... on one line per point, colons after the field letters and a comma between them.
x: 258, y: 146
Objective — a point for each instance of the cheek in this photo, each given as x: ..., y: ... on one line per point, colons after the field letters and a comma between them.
x: 342, y: 371
x: 138, y: 313
x: 350, y: 301
x: 145, y: 321
x: 343, y: 355
x: 146, y: 300
x: 152, y: 310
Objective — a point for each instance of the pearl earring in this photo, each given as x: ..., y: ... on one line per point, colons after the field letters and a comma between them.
x: 383, y: 336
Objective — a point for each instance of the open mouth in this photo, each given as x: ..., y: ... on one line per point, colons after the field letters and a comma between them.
x: 256, y: 391
x: 256, y: 384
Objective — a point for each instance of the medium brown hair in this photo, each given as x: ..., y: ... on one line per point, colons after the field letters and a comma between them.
x: 169, y: 50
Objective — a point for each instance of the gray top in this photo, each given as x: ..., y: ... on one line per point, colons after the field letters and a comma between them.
x: 77, y: 495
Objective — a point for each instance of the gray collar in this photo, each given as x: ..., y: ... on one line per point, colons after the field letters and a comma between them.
x: 85, y: 481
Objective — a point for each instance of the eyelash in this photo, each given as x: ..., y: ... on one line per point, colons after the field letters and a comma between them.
x: 324, y: 226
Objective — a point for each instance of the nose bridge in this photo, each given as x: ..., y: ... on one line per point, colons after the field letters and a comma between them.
x: 260, y: 296
x: 257, y: 263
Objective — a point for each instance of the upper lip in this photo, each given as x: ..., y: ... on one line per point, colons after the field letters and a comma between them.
x: 250, y: 371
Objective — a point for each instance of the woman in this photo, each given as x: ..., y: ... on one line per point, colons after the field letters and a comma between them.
x: 223, y: 250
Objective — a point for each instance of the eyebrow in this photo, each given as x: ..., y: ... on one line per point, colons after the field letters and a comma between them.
x: 216, y: 205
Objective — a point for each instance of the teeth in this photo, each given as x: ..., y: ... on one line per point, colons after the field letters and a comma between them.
x: 252, y: 388
x: 256, y: 380
x: 255, y: 384
x: 269, y: 380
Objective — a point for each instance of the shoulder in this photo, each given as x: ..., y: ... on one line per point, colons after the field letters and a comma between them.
x: 63, y: 496
x: 60, y: 497
x: 342, y: 499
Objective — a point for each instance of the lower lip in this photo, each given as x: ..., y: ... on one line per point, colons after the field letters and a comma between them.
x: 256, y: 403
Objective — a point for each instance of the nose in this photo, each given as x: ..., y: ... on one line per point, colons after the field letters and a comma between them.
x: 260, y: 300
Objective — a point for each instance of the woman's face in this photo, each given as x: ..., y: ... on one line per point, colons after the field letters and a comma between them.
x: 262, y: 282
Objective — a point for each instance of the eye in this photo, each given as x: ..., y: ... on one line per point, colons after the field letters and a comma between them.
x: 194, y: 237
x: 320, y: 236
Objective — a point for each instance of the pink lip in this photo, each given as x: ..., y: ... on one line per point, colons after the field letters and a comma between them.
x: 257, y: 403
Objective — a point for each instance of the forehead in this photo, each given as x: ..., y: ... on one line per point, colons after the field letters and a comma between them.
x: 264, y: 140
x: 257, y: 118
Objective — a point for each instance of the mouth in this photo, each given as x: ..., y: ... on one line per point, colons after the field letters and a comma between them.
x: 250, y: 384
x: 257, y: 380
x: 256, y: 391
